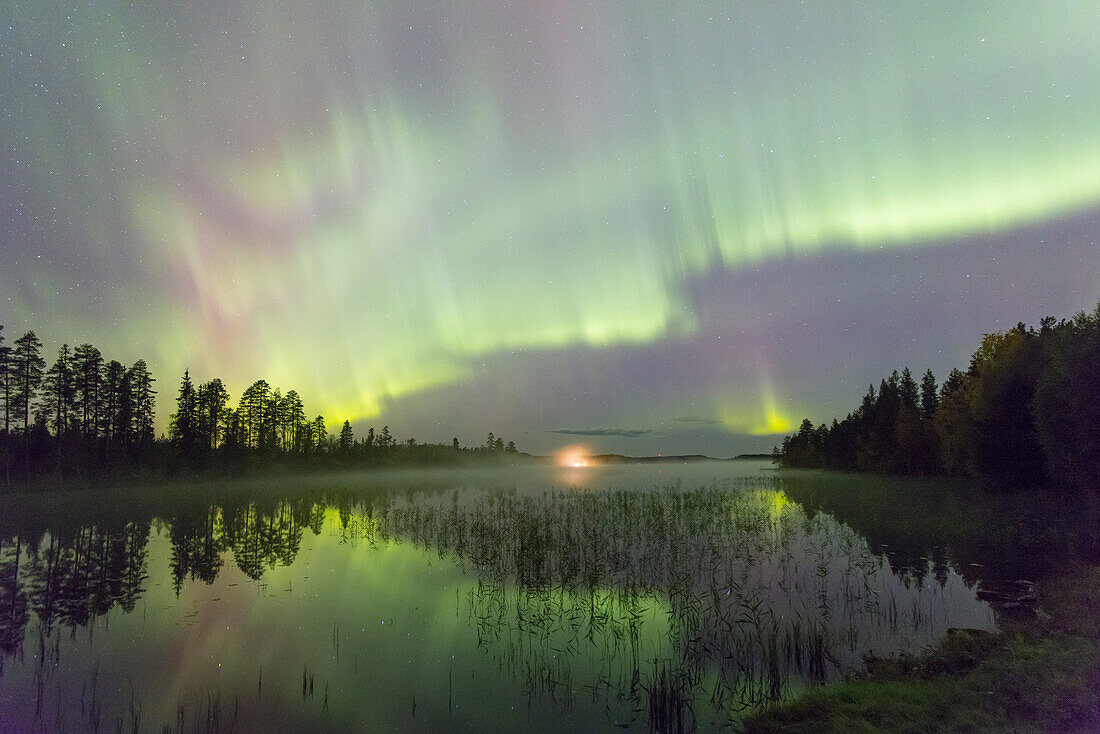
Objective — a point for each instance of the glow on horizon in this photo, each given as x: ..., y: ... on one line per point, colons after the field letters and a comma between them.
x: 574, y: 456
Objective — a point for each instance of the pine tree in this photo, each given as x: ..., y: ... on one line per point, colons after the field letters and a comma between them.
x: 212, y: 399
x: 59, y: 392
x: 295, y: 416
x: 26, y: 368
x: 124, y: 414
x: 272, y: 417
x: 255, y: 413
x: 114, y: 375
x: 88, y: 383
x: 143, y: 403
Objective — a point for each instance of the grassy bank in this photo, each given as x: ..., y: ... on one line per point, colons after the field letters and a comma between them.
x: 1042, y: 675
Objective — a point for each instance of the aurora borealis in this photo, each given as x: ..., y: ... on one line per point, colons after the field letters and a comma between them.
x: 650, y: 227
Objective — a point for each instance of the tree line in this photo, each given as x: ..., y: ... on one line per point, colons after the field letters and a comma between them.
x: 80, y: 412
x: 1026, y: 411
x: 84, y: 416
x: 268, y: 424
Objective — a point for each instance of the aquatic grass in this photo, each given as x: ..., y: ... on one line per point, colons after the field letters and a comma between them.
x: 754, y: 587
x: 1040, y: 677
x: 749, y: 594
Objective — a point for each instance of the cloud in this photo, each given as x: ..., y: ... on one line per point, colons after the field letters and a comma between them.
x: 700, y: 421
x: 622, y: 432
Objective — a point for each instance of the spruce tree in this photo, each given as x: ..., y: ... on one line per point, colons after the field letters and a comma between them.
x: 929, y: 397
x: 347, y: 438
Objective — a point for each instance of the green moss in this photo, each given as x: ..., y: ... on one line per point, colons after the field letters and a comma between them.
x: 1040, y: 678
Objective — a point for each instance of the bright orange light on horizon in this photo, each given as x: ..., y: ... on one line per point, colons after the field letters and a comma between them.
x: 577, y: 456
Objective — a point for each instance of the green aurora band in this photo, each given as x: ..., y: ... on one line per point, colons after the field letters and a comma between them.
x: 365, y: 204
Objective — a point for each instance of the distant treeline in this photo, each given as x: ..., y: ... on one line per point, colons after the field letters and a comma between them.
x: 267, y: 424
x: 86, y: 417
x: 1026, y: 411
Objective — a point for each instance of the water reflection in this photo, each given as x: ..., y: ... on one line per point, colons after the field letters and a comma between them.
x: 69, y: 578
x: 754, y: 596
x: 653, y: 608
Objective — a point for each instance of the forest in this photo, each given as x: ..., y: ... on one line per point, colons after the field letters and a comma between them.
x: 86, y: 417
x: 1026, y: 412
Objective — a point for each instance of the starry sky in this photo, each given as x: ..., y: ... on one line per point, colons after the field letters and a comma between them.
x: 640, y: 226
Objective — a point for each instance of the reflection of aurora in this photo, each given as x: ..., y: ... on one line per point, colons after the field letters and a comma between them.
x: 655, y: 603
x: 737, y: 594
x: 409, y: 191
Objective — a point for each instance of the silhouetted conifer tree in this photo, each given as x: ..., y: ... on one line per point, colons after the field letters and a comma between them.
x: 26, y: 370
x: 59, y: 393
x: 114, y: 375
x: 212, y: 399
x: 347, y: 438
x: 5, y: 382
x: 183, y: 425
x: 907, y: 388
x: 142, y: 405
x: 929, y: 398
x: 5, y: 406
x: 320, y: 433
x: 88, y: 382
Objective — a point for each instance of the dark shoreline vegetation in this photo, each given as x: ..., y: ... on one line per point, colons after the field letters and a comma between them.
x: 86, y: 419
x: 1025, y: 413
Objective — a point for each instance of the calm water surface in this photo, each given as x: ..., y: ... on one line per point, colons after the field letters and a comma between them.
x: 646, y: 598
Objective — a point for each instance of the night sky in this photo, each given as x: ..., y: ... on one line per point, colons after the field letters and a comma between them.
x: 643, y: 226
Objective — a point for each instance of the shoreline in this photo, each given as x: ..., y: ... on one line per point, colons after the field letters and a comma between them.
x: 1041, y: 674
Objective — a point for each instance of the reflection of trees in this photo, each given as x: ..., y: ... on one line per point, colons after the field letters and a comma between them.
x: 262, y: 540
x: 71, y: 576
x: 260, y: 537
x: 750, y: 593
x: 13, y: 601
x: 993, y: 539
x: 198, y: 542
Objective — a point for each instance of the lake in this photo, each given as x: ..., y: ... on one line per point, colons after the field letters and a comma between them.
x: 669, y: 597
